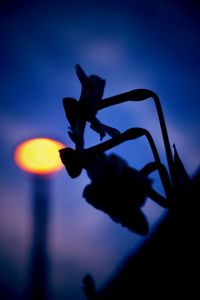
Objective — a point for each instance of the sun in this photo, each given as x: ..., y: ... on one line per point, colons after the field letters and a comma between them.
x: 39, y: 156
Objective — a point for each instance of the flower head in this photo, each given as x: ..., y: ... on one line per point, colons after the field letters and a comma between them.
x: 85, y: 110
x: 118, y: 190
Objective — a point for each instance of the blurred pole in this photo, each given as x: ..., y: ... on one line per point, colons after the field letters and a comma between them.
x: 38, y: 285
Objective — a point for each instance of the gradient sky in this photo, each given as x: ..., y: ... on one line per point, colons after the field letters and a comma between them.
x: 132, y: 44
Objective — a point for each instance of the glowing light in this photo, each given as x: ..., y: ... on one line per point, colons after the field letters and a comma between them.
x: 39, y: 156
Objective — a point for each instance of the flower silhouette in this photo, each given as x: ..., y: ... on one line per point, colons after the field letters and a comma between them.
x: 85, y: 110
x: 118, y: 190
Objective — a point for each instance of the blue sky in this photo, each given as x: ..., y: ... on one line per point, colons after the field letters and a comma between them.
x: 132, y: 44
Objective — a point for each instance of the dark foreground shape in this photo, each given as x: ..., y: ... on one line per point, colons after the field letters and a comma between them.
x: 166, y: 266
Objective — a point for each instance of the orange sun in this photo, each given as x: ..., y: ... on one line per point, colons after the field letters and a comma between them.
x: 39, y: 156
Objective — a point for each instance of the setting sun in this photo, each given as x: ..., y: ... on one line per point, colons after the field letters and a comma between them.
x: 39, y: 156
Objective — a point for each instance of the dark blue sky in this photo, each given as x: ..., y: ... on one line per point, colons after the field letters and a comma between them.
x: 132, y: 44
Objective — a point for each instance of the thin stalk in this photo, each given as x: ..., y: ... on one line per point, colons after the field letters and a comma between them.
x: 150, y: 168
x: 140, y: 95
x: 165, y: 136
x: 131, y: 134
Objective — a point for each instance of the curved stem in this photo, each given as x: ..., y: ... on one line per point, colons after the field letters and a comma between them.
x: 156, y: 197
x: 131, y: 134
x: 150, y: 168
x: 165, y: 136
x: 140, y: 95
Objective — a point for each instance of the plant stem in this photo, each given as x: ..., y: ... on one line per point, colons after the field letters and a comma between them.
x: 140, y: 95
x: 131, y: 134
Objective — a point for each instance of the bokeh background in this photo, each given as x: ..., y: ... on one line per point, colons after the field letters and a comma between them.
x: 132, y: 44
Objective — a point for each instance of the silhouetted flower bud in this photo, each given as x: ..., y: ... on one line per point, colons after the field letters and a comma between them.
x: 118, y: 190
x: 78, y: 112
x: 72, y: 161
